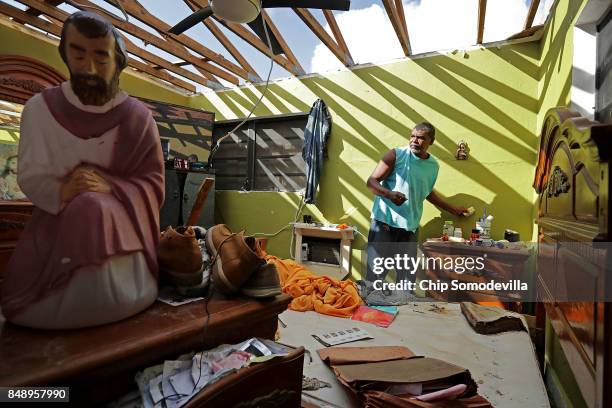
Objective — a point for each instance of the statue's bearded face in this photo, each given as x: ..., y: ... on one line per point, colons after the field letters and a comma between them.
x: 93, y: 67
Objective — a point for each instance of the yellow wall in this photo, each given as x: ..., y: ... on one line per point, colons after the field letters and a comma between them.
x: 488, y: 97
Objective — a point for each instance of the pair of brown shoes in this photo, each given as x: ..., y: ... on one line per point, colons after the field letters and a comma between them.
x: 238, y: 264
x: 179, y: 257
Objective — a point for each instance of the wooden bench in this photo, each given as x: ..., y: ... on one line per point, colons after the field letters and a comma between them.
x: 99, y: 363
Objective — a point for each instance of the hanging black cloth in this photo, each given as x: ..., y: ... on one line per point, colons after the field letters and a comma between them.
x: 315, y: 136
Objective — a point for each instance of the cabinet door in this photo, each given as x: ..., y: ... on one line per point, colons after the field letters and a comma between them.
x: 190, y: 193
x: 169, y: 213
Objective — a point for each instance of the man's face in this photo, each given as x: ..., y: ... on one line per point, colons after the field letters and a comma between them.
x: 420, y: 141
x: 92, y: 66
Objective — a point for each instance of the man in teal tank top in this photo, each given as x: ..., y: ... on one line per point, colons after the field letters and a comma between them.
x: 402, y: 180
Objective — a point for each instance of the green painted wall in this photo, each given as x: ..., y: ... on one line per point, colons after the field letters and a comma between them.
x: 556, y: 56
x: 488, y: 97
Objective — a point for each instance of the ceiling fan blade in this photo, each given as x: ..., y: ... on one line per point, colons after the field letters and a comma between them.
x: 342, y: 5
x: 191, y: 20
x: 258, y: 28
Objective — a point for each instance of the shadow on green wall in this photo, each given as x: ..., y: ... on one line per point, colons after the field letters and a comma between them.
x: 371, y: 77
x: 472, y: 169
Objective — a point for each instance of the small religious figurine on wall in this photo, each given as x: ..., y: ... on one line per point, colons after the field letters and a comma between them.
x: 463, y: 151
x: 91, y: 162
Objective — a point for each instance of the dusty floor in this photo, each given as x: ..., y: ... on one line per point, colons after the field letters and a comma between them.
x: 503, y: 365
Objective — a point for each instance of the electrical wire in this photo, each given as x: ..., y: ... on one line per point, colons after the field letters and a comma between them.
x: 296, y: 218
x: 210, y: 289
x: 213, y: 151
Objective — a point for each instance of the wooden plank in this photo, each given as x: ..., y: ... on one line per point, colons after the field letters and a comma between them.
x: 34, y: 12
x: 222, y: 38
x: 56, y: 30
x: 162, y: 63
x: 397, y: 26
x: 333, y: 24
x: 196, y: 209
x: 169, y: 46
x: 482, y: 11
x: 141, y: 66
x: 61, y: 16
x: 399, y: 6
x: 20, y: 15
x: 255, y: 41
x: 320, y: 32
x: 533, y: 8
x: 216, y: 31
x: 136, y: 10
x: 276, y: 33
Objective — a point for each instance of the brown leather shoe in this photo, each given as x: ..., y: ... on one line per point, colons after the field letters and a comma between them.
x: 264, y: 282
x: 180, y: 257
x: 234, y: 260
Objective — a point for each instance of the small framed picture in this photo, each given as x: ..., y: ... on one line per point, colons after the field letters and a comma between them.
x: 9, y: 189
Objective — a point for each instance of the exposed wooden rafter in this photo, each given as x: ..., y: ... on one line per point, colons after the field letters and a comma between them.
x: 131, y: 47
x: 56, y: 30
x: 162, y: 63
x: 399, y: 6
x: 136, y: 10
x: 35, y: 12
x: 168, y: 46
x: 396, y: 22
x: 255, y: 41
x: 325, y: 38
x: 333, y: 24
x: 533, y: 9
x: 482, y: 11
x: 276, y: 33
x: 146, y: 68
x: 222, y: 38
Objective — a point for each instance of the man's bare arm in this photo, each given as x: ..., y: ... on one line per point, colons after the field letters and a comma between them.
x: 439, y: 202
x: 382, y: 170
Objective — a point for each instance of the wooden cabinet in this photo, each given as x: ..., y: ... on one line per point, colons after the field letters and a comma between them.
x: 574, y: 279
x: 99, y: 363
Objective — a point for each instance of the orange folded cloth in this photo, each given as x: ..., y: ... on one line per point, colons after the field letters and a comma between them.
x: 314, y: 292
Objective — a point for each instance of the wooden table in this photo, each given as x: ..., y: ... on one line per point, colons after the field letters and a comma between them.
x: 500, y: 265
x: 99, y: 363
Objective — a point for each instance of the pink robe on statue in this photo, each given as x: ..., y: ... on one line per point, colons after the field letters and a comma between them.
x: 92, y: 260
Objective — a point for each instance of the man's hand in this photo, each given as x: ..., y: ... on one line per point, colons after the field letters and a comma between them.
x: 458, y: 211
x: 396, y: 197
x: 439, y: 202
x: 84, y: 180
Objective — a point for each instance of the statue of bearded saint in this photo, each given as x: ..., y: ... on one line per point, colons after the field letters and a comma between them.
x: 92, y: 165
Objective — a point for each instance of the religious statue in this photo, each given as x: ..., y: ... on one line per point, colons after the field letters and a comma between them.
x: 463, y: 150
x: 90, y: 160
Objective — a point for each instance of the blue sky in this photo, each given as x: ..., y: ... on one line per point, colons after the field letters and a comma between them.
x: 432, y: 25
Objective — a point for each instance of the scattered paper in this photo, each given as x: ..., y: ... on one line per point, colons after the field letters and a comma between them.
x: 374, y: 316
x: 341, y: 336
x: 170, y: 296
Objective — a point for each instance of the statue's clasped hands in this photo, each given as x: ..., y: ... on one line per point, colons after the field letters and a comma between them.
x: 82, y: 180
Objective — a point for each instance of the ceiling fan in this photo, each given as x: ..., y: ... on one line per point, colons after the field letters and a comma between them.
x: 248, y: 11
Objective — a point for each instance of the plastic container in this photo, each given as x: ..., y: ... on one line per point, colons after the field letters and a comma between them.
x: 447, y: 230
x: 458, y: 233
